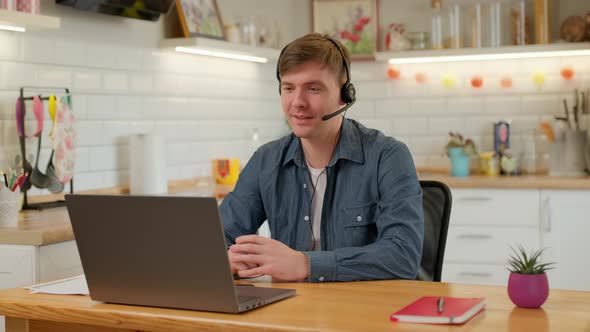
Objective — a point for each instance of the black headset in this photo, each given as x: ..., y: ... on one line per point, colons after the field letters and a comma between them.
x: 347, y: 91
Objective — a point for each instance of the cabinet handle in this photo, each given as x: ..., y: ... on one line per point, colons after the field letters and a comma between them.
x: 474, y: 199
x: 546, y: 215
x: 476, y: 274
x: 475, y: 236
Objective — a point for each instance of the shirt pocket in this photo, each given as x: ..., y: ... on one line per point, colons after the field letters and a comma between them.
x: 358, y: 222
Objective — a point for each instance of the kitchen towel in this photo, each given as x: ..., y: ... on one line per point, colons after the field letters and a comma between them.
x: 147, y: 165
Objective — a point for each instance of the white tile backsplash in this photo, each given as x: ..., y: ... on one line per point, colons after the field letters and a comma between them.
x: 115, y: 132
x: 502, y: 105
x: 432, y: 106
x: 86, y: 80
x: 409, y: 126
x: 141, y: 83
x: 71, y: 52
x: 115, y: 81
x: 39, y: 49
x: 10, y: 42
x: 89, y: 133
x: 207, y: 108
x: 442, y: 125
x: 102, y: 107
x: 465, y: 105
x: 101, y: 56
x: 542, y: 104
x: 53, y: 76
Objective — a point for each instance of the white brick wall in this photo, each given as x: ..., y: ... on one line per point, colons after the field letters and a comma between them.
x: 207, y: 108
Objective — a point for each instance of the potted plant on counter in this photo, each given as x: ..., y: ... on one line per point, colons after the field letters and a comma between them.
x: 528, y: 286
x: 460, y: 150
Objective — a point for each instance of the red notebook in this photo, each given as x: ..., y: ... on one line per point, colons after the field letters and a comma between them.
x: 426, y: 310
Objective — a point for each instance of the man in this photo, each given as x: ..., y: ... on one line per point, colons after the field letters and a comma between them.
x: 343, y: 201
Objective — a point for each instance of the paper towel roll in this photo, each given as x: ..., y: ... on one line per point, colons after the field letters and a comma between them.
x: 147, y: 165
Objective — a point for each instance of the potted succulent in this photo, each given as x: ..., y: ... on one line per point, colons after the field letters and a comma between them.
x: 528, y: 286
x: 460, y: 150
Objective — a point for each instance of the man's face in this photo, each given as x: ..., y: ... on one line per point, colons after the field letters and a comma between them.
x: 309, y: 92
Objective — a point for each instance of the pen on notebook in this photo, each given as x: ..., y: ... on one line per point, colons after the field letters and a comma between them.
x: 440, y: 303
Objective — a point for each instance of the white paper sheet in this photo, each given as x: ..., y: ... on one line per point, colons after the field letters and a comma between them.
x: 70, y: 286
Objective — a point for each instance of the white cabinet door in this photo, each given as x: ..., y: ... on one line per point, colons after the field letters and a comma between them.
x: 17, y: 266
x: 58, y: 260
x: 565, y: 228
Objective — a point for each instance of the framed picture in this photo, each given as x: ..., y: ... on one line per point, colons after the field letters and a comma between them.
x: 200, y: 18
x: 352, y: 22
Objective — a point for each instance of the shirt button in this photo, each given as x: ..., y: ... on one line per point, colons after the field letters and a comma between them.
x: 304, y: 186
x: 359, y: 218
x: 321, y: 278
x: 306, y: 218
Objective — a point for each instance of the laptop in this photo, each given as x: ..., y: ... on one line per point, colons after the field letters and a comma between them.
x: 161, y: 251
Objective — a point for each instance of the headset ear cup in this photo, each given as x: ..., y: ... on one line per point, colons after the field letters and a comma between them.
x: 348, y: 93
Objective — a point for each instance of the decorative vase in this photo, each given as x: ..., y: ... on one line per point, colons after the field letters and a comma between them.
x: 528, y: 290
x: 459, y: 162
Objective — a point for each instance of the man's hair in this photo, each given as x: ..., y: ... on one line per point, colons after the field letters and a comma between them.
x: 314, y: 47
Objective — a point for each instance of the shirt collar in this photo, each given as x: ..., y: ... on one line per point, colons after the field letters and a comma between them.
x: 349, y: 147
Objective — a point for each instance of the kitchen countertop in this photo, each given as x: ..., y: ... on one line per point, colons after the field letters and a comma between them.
x: 510, y: 182
x: 53, y: 225
x: 39, y: 228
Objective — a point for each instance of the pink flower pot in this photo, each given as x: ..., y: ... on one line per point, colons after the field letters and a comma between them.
x: 528, y: 290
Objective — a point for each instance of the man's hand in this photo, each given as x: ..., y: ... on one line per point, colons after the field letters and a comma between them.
x: 254, y: 255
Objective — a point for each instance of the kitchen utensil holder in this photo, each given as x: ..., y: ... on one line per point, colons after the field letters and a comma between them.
x: 567, y: 156
x: 23, y: 98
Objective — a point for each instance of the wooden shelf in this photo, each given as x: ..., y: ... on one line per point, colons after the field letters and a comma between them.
x: 215, y: 45
x: 493, y: 53
x: 28, y: 21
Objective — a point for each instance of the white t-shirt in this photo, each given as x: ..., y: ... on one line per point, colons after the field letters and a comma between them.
x: 319, y: 180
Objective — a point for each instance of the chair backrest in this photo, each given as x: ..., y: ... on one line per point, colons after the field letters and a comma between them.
x: 437, y: 199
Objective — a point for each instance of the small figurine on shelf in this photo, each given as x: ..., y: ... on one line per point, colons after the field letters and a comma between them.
x: 395, y: 40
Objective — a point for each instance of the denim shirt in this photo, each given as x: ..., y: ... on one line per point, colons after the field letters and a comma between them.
x: 372, y: 223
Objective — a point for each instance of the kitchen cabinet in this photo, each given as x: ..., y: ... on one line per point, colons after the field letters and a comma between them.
x: 22, y: 265
x: 484, y: 224
x: 565, y: 228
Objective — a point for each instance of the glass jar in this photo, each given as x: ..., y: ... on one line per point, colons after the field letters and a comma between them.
x: 436, y: 41
x: 542, y: 11
x: 418, y: 40
x: 454, y: 31
x: 495, y: 23
x: 519, y: 23
x: 474, y: 20
x: 249, y: 33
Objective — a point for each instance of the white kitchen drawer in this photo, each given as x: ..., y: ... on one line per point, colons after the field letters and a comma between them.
x: 17, y: 266
x: 481, y: 245
x: 475, y: 274
x: 59, y: 260
x: 495, y: 207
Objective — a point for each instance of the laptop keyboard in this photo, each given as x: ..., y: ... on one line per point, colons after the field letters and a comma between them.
x: 243, y: 299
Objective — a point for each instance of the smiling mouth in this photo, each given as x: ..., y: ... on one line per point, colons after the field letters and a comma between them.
x: 302, y: 117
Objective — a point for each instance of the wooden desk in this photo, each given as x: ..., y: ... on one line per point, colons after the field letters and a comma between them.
x: 356, y: 306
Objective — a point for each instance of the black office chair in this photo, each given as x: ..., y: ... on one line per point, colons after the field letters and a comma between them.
x: 437, y: 211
